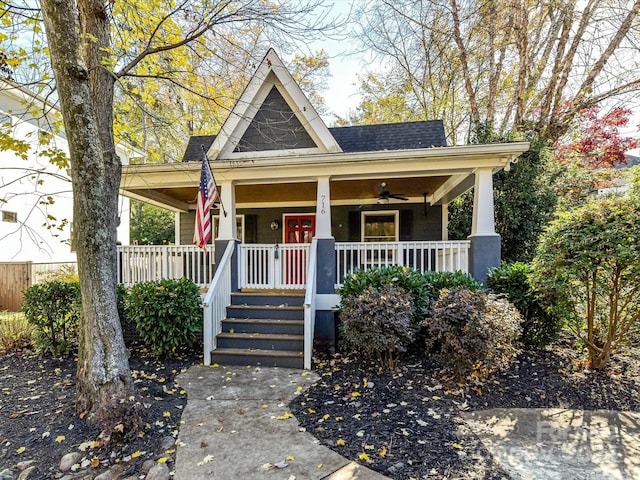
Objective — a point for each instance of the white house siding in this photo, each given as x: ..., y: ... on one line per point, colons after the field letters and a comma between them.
x: 29, y: 239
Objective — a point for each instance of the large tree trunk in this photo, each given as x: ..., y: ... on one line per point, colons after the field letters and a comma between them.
x: 86, y: 96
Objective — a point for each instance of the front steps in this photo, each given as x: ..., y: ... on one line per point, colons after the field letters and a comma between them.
x: 264, y: 329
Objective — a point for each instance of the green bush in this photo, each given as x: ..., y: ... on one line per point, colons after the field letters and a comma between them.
x: 54, y: 309
x: 377, y: 323
x: 472, y: 332
x: 540, y: 327
x: 588, y: 262
x: 436, y: 281
x: 408, y: 279
x: 167, y: 313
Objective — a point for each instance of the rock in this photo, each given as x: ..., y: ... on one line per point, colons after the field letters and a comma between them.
x: 167, y: 443
x: 69, y: 460
x: 160, y: 471
x: 28, y: 473
x: 147, y: 465
x: 24, y: 465
x: 131, y: 478
x: 6, y: 474
x: 112, y: 474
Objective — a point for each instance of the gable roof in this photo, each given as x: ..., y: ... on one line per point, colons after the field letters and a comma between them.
x: 364, y: 138
x: 272, y: 78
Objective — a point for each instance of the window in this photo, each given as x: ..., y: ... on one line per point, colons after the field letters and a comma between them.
x: 380, y: 226
x: 239, y: 227
x: 10, y: 217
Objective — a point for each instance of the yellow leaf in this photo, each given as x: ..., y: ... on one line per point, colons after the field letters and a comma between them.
x: 363, y: 456
x: 290, y: 458
x: 163, y: 460
x: 166, y: 414
x: 119, y: 428
x: 21, y: 450
x: 326, y: 416
x: 182, y: 392
x: 60, y: 438
x: 136, y: 454
x: 319, y: 465
x: 356, y: 394
x: 311, y: 410
x: 264, y: 405
x: 341, y: 442
x: 161, y: 380
x: 383, y: 452
x: 95, y: 462
x: 456, y: 445
x: 436, y: 397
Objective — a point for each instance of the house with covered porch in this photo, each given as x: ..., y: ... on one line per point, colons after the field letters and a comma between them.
x: 302, y: 206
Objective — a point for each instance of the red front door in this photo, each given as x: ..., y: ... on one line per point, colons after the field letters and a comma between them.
x: 297, y: 229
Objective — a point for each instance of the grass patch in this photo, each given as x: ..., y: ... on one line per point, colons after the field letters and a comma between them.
x: 15, y: 332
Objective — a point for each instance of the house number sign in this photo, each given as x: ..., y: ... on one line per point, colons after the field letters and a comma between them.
x: 322, y: 208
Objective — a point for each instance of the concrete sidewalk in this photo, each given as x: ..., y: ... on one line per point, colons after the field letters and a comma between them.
x: 237, y: 426
x: 555, y: 444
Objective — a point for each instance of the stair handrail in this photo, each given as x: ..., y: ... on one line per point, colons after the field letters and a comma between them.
x: 310, y: 305
x: 216, y: 300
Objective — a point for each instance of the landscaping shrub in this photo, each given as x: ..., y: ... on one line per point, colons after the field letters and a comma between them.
x: 15, y: 332
x: 436, y: 281
x: 409, y: 279
x: 53, y: 308
x: 167, y: 313
x: 588, y: 262
x: 377, y: 323
x: 472, y: 332
x: 540, y: 327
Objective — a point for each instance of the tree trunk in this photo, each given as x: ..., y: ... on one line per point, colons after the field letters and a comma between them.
x: 86, y: 96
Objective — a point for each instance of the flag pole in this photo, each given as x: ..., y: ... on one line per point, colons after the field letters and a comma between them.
x: 204, y: 153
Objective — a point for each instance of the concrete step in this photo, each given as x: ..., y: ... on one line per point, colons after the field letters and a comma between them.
x: 263, y: 325
x: 281, y: 312
x: 261, y: 341
x: 257, y: 357
x: 267, y: 299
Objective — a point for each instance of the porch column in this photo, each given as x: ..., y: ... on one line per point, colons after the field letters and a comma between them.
x: 325, y: 326
x: 445, y: 222
x: 485, y: 242
x: 227, y: 229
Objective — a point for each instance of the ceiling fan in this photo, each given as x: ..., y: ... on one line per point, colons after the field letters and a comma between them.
x: 385, y: 195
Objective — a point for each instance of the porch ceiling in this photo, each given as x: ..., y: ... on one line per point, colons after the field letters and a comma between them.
x: 341, y: 190
x: 441, y: 173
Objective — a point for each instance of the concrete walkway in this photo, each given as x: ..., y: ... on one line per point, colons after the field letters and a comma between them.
x: 554, y: 444
x: 237, y: 426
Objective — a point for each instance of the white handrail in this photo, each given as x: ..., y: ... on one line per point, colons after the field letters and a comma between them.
x: 215, y: 302
x: 441, y: 256
x: 310, y: 305
x: 144, y: 263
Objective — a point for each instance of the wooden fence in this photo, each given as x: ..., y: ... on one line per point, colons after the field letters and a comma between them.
x: 14, y: 279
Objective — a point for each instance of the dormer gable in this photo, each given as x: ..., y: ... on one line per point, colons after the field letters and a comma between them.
x: 273, y: 117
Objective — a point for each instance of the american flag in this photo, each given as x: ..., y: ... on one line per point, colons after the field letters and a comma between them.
x: 207, y: 196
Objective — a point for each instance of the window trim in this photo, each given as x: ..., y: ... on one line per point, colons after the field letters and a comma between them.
x: 216, y: 224
x: 396, y: 219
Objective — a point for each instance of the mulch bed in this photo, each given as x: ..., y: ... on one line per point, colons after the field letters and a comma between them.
x: 406, y: 424
x: 38, y: 420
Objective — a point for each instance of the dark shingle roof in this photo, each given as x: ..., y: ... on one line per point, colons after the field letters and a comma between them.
x: 193, y: 151
x: 390, y: 136
x: 365, y: 138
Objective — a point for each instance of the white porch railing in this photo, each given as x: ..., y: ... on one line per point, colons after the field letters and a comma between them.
x: 215, y: 302
x: 310, y: 305
x: 267, y: 266
x: 145, y: 263
x: 442, y: 256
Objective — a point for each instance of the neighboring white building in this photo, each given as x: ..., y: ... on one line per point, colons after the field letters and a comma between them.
x: 36, y: 205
